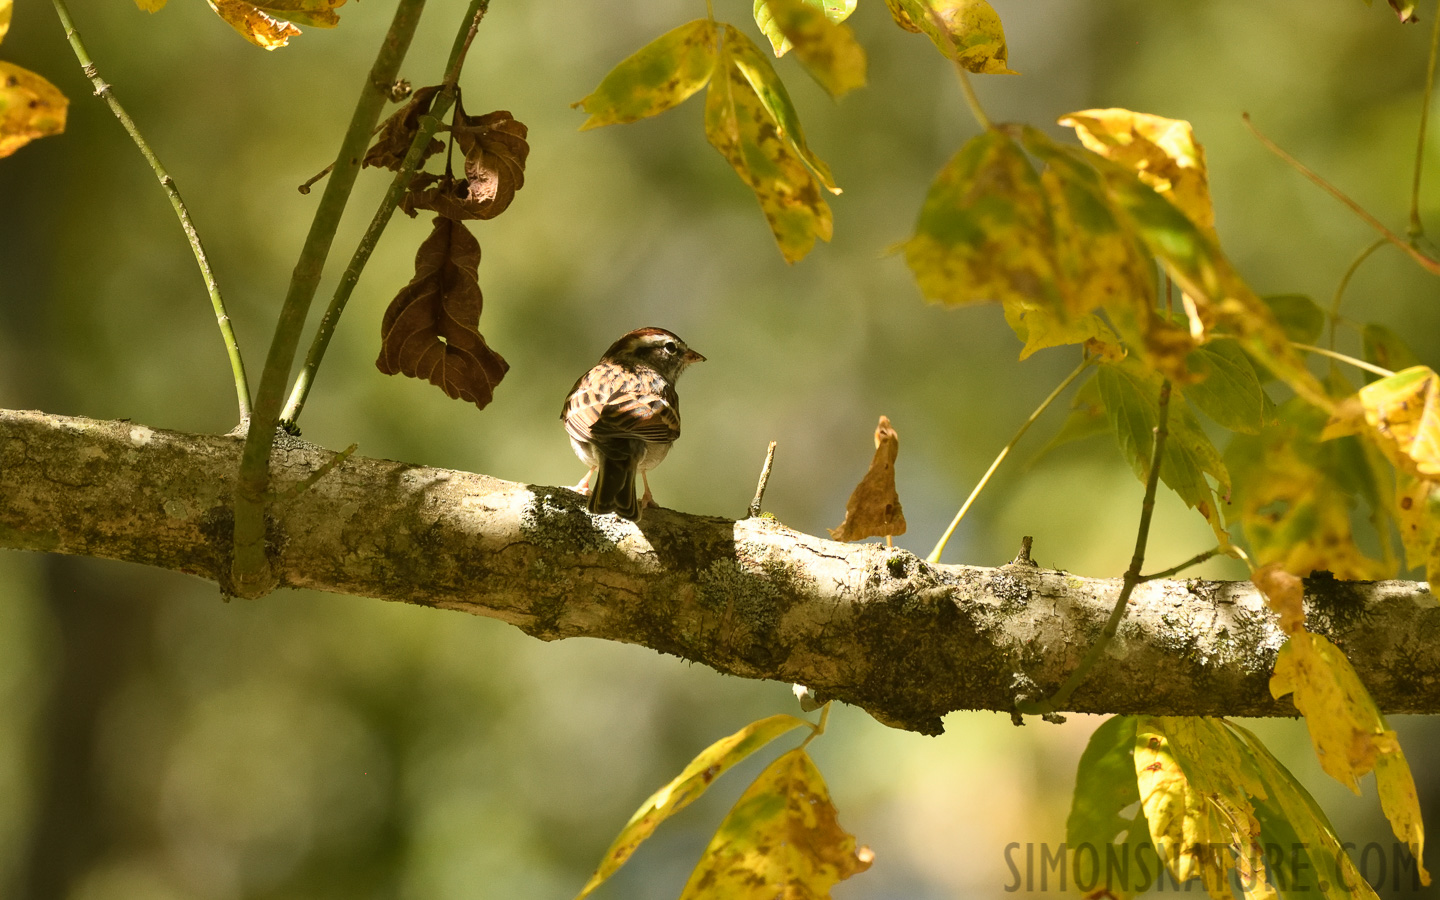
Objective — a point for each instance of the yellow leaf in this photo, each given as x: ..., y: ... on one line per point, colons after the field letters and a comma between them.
x: 150, y: 6
x: 1417, y: 513
x: 1285, y: 594
x: 1295, y: 493
x: 30, y: 108
x: 1163, y: 152
x: 1401, y: 805
x: 828, y: 50
x: 968, y: 31
x: 984, y: 232
x: 1039, y: 327
x: 658, y: 76
x: 686, y: 787
x: 1188, y: 830
x: 270, y: 24
x: 739, y: 125
x: 1403, y: 411
x: 7, y: 7
x: 1345, y: 725
x: 782, y: 839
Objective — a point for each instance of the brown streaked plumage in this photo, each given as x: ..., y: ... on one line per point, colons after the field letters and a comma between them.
x: 623, y: 415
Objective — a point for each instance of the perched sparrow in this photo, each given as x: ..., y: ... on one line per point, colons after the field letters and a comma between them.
x: 623, y: 415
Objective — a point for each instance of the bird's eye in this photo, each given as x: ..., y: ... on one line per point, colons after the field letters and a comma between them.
x: 670, y: 347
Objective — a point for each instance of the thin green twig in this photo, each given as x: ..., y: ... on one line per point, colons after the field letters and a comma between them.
x: 250, y: 570
x: 104, y: 91
x: 1132, y: 575
x: 934, y: 556
x: 1345, y: 283
x: 1417, y: 228
x: 1195, y: 560
x: 428, y: 126
x: 1430, y: 265
x: 1357, y: 363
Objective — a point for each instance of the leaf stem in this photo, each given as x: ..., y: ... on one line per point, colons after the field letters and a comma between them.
x: 1417, y: 228
x: 1357, y: 363
x: 104, y: 91
x: 1195, y: 560
x: 819, y: 727
x: 428, y: 126
x: 934, y: 556
x: 250, y: 570
x: 1430, y: 265
x: 1132, y: 575
x: 1345, y: 283
x: 971, y: 98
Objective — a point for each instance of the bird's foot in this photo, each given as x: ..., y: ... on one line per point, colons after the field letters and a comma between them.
x: 583, y: 487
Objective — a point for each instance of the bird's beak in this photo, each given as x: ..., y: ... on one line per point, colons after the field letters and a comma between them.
x: 692, y: 357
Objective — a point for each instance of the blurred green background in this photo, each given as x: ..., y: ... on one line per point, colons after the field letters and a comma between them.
x: 158, y: 743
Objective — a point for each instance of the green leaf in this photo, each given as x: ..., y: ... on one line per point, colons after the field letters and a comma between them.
x: 1310, y: 860
x: 1301, y: 318
x: 827, y: 49
x: 686, y: 787
x: 767, y: 86
x: 656, y: 77
x: 738, y: 124
x: 1228, y: 390
x: 1105, y: 786
x: 968, y: 31
x: 1086, y: 419
x: 1131, y: 394
x: 984, y: 232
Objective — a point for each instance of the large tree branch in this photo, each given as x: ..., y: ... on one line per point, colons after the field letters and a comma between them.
x: 874, y: 627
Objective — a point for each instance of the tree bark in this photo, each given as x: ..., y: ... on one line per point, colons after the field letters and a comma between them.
x: 874, y: 627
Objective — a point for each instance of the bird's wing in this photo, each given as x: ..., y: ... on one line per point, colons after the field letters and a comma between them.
x: 623, y: 404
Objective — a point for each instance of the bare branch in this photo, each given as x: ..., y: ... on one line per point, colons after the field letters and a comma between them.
x: 877, y: 628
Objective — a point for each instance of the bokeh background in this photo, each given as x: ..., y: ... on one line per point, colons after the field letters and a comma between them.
x: 158, y: 743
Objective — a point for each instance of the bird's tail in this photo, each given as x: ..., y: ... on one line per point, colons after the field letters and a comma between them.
x: 614, y: 488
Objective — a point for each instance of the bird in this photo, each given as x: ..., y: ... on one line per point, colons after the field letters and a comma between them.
x: 623, y: 415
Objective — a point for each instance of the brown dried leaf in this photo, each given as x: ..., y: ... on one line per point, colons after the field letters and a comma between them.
x: 398, y: 132
x: 495, y: 152
x: 431, y: 328
x: 874, y: 508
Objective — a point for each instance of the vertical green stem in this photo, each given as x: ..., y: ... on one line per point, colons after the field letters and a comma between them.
x: 1132, y: 574
x: 250, y: 571
x: 934, y: 556
x: 104, y: 91
x: 428, y: 126
x: 1416, y: 227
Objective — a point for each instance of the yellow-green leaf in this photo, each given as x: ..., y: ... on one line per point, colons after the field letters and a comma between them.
x: 782, y: 839
x: 1401, y: 805
x: 828, y: 50
x: 693, y: 781
x: 1345, y: 725
x: 1040, y: 327
x: 835, y: 11
x: 150, y: 6
x: 1105, y: 786
x: 30, y: 108
x: 1186, y: 829
x: 270, y: 24
x: 984, y: 231
x: 744, y: 56
x: 658, y: 76
x: 1308, y: 858
x: 1162, y: 152
x: 1225, y: 387
x: 739, y: 126
x: 1403, y: 412
x: 968, y: 31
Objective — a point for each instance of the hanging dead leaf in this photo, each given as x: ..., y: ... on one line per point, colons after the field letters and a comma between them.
x: 397, y: 133
x: 431, y: 328
x: 270, y: 24
x: 874, y: 507
x: 495, y: 149
x: 30, y: 108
